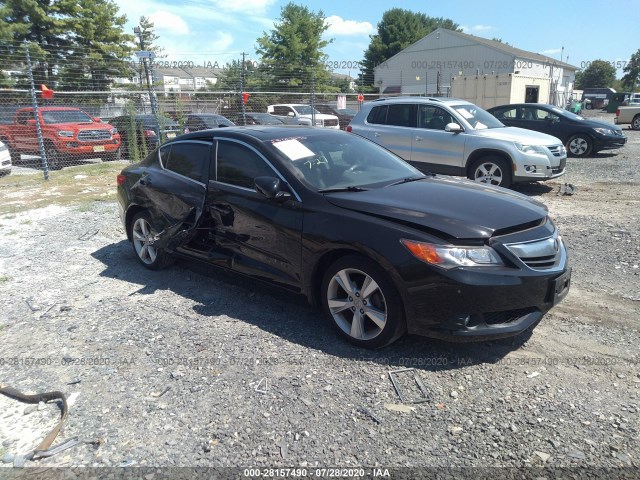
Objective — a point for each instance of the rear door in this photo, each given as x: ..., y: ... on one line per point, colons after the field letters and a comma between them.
x: 250, y: 233
x: 392, y: 126
x: 175, y: 193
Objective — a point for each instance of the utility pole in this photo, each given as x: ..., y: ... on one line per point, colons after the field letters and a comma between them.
x: 36, y: 116
x: 242, y: 82
x: 152, y: 96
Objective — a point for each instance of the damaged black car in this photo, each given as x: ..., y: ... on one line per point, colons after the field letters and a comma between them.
x: 383, y: 248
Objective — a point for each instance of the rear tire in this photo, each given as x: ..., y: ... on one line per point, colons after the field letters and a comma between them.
x: 492, y: 170
x: 362, y: 303
x: 142, y: 236
x: 635, y: 123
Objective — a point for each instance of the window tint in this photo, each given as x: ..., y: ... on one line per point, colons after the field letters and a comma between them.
x: 190, y: 159
x: 239, y: 165
x: 378, y: 115
x: 434, y: 118
x: 24, y: 116
x: 403, y: 115
x: 506, y: 113
x: 280, y: 110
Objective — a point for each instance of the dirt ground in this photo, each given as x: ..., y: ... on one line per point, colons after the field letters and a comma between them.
x: 188, y: 367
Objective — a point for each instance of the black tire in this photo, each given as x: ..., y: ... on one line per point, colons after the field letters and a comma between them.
x: 112, y: 157
x: 54, y: 157
x: 635, y: 123
x: 371, y: 319
x: 492, y: 170
x: 142, y: 232
x: 579, y: 145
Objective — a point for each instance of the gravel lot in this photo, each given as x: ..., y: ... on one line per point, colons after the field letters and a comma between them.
x: 191, y: 367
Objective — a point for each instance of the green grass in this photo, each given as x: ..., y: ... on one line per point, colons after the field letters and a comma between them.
x: 24, y: 192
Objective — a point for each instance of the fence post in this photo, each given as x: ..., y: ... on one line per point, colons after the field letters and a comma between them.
x: 36, y: 116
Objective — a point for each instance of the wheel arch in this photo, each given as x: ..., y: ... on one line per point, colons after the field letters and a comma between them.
x: 483, y: 152
x: 131, y: 212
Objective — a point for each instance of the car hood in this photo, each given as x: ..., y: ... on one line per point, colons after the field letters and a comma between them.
x: 597, y: 124
x: 457, y: 208
x: 520, y: 135
x: 81, y: 126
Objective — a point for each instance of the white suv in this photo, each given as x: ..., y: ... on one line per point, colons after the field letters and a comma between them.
x: 299, y: 114
x: 455, y: 137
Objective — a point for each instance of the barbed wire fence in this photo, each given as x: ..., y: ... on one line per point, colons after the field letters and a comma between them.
x: 60, y: 108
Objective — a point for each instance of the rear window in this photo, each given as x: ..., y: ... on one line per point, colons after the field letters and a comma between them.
x: 378, y: 115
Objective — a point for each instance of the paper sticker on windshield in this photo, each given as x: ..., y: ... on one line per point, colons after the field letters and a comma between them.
x: 465, y: 113
x: 293, y: 149
x: 480, y: 126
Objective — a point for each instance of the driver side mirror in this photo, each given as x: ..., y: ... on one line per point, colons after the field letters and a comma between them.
x: 453, y: 128
x: 272, y: 188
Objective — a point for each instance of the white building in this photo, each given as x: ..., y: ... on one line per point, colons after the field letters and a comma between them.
x: 183, y: 80
x: 427, y: 66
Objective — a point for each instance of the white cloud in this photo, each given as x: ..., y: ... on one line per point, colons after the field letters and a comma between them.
x: 551, y: 51
x: 476, y: 28
x: 340, y: 26
x: 250, y: 7
x: 169, y: 22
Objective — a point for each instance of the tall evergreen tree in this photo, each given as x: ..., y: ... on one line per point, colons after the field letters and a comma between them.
x: 398, y: 29
x: 292, y: 56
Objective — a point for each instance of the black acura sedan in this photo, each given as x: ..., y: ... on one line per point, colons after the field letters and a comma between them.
x: 383, y: 248
x: 582, y: 137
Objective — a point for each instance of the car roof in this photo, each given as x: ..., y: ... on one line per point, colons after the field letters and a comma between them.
x: 547, y: 105
x: 404, y: 99
x: 205, y: 115
x: 261, y: 133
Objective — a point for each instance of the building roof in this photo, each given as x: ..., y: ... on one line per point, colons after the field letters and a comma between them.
x: 187, y: 72
x: 503, y: 47
x: 508, y: 49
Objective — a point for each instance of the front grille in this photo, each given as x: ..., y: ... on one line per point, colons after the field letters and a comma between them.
x: 331, y: 123
x: 557, y: 150
x: 93, y: 135
x: 540, y: 254
x: 500, y: 318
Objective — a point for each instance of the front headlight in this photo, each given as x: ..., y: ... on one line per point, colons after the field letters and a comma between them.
x: 604, y: 131
x: 65, y: 133
x: 536, y: 149
x: 448, y: 257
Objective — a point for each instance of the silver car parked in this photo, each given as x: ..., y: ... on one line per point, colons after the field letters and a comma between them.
x: 455, y: 137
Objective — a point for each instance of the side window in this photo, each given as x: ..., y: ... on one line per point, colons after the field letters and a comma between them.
x: 23, y: 117
x: 239, y: 165
x: 529, y: 113
x: 402, y: 115
x: 378, y: 115
x: 281, y: 110
x: 509, y: 113
x: 544, y: 115
x: 189, y: 159
x: 434, y: 118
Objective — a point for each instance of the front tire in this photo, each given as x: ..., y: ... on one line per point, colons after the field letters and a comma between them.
x: 635, y: 123
x: 142, y: 237
x: 54, y: 158
x: 492, y: 170
x: 362, y: 303
x: 579, y: 145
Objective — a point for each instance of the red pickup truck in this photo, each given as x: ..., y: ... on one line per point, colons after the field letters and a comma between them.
x: 68, y: 134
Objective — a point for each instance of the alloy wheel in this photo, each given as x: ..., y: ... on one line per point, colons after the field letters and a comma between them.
x: 143, y: 238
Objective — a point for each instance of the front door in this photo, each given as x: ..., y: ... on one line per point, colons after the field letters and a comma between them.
x: 249, y: 232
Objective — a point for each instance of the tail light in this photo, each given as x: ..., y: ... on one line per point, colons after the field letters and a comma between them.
x: 120, y: 179
x: 150, y: 133
x: 617, y: 112
x: 348, y: 129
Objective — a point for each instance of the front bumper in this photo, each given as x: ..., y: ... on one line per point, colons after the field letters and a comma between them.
x: 474, y: 306
x: 609, y: 142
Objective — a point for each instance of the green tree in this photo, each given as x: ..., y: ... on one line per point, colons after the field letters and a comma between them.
x: 631, y: 76
x: 76, y: 42
x: 397, y: 30
x: 599, y: 73
x: 292, y: 56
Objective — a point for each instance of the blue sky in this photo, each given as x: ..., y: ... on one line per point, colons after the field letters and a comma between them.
x: 210, y: 31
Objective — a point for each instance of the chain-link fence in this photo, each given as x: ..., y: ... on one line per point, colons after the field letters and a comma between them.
x: 61, y: 107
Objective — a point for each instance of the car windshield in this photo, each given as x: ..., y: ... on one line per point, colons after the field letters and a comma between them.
x: 152, y: 122
x: 65, y: 116
x: 304, y: 109
x: 266, y: 119
x: 567, y: 114
x: 329, y: 161
x: 477, y: 117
